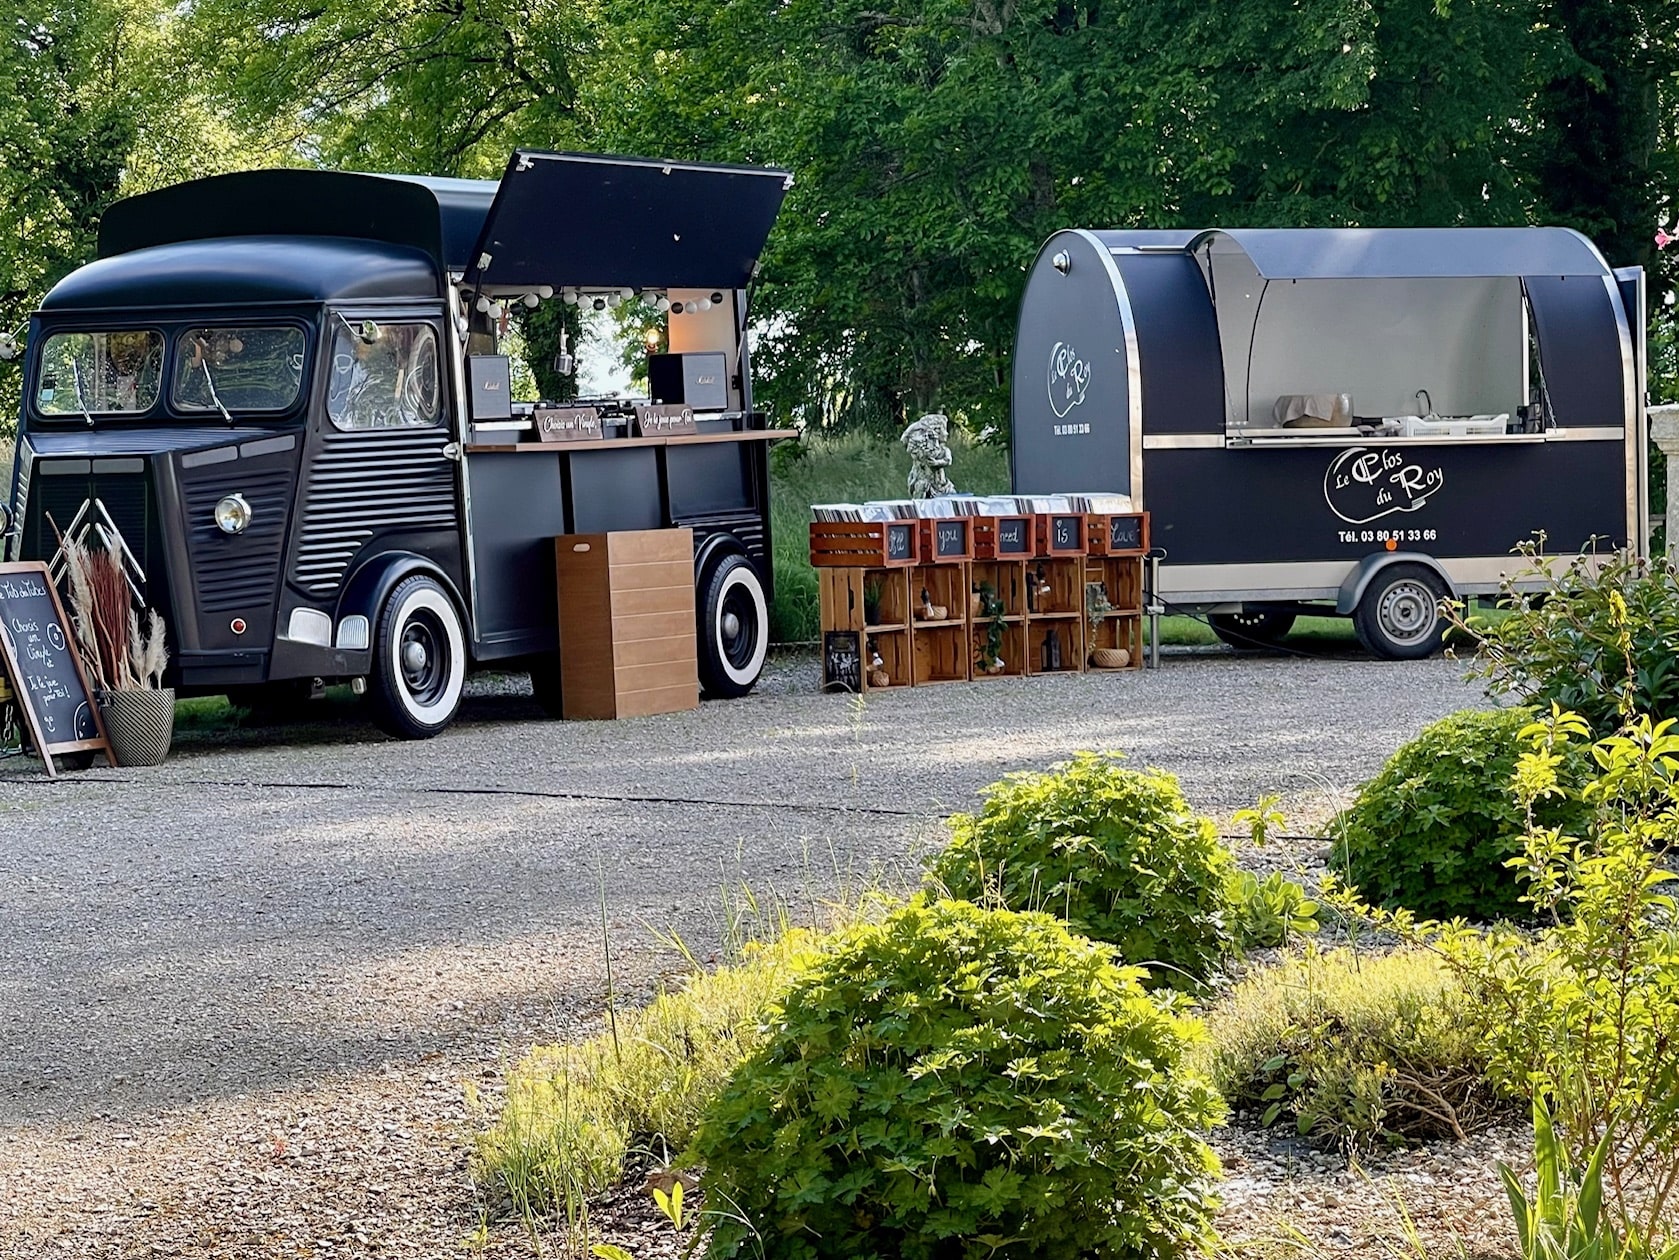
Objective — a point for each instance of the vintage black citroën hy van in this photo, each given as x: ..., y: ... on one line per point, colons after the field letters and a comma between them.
x: 278, y: 395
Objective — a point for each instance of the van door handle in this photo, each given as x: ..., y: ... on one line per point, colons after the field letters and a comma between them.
x: 452, y: 451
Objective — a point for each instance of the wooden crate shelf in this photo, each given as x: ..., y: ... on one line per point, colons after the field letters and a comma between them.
x: 849, y: 544
x: 1121, y: 580
x: 941, y: 652
x: 1011, y: 653
x: 872, y: 604
x: 1068, y: 632
x: 943, y: 586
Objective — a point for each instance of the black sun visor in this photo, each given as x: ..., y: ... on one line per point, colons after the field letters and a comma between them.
x: 575, y: 219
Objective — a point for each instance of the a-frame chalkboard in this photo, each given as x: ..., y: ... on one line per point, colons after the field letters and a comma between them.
x: 38, y: 653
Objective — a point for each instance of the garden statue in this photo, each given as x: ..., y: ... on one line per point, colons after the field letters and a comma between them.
x: 928, y: 443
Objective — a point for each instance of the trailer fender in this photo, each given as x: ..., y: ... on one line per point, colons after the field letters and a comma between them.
x: 1353, y: 587
x: 371, y: 584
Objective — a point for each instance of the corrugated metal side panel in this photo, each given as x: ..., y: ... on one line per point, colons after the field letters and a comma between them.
x: 362, y: 484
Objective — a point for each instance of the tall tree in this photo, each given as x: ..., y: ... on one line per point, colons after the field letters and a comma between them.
x: 442, y: 87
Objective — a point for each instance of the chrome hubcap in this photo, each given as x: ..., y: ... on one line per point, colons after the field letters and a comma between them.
x: 731, y: 626
x: 413, y: 657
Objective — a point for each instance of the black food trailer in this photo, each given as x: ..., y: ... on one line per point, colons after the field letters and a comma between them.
x: 1345, y: 421
x: 278, y: 395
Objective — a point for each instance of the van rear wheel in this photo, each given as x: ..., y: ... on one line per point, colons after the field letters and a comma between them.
x: 419, y: 661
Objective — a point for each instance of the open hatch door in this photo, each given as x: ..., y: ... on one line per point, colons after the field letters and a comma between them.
x: 568, y: 218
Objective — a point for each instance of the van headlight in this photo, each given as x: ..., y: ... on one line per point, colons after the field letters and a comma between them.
x: 233, y: 514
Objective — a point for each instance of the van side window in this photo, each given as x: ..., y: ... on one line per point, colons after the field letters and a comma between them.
x: 383, y: 376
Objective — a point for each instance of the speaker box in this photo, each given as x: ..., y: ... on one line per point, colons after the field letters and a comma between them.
x: 698, y: 379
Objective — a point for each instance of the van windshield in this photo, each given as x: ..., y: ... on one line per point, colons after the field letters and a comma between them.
x: 99, y: 373
x: 241, y: 369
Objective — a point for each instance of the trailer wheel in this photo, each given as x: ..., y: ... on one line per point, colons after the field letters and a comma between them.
x: 419, y: 665
x: 1252, y: 627
x: 1398, y: 617
x: 734, y: 627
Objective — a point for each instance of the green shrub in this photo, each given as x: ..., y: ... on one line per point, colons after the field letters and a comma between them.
x: 1267, y: 912
x: 1584, y: 1015
x: 1116, y: 853
x: 957, y: 1082
x: 1352, y: 1049
x: 1434, y: 830
x: 1600, y: 638
x: 573, y: 1112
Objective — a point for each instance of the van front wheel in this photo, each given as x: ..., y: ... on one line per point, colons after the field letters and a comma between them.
x: 419, y: 666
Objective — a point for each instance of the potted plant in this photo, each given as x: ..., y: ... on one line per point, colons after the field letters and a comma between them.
x: 991, y: 649
x: 125, y: 657
x: 1097, y: 606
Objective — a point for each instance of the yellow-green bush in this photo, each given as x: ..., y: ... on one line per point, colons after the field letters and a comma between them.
x: 1353, y: 1048
x: 572, y: 1111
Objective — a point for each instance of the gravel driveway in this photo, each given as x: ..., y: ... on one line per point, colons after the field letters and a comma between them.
x: 240, y: 994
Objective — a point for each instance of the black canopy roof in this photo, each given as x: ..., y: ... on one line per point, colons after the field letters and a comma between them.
x: 553, y: 218
x: 569, y: 218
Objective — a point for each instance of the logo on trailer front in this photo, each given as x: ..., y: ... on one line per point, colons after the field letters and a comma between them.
x: 1069, y: 377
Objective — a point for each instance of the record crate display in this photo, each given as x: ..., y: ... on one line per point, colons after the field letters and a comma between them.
x: 1113, y: 575
x: 1000, y: 614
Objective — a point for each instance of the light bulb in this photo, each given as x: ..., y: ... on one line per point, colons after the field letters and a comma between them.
x: 495, y: 310
x: 599, y: 304
x: 569, y: 296
x: 704, y: 304
x: 483, y: 303
x: 717, y: 299
x: 626, y: 294
x: 676, y: 308
x: 663, y: 304
x: 544, y: 291
x: 531, y: 301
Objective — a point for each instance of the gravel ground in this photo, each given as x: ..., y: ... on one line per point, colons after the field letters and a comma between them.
x: 243, y: 994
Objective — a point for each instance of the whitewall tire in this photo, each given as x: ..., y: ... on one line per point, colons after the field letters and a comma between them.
x: 419, y: 660
x: 734, y: 627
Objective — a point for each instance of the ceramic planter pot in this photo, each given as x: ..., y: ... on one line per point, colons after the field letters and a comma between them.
x: 141, y: 725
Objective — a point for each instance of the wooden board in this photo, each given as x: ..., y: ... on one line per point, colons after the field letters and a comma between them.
x: 627, y: 630
x: 39, y: 656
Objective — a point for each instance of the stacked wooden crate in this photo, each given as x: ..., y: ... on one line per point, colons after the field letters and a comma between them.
x: 949, y: 599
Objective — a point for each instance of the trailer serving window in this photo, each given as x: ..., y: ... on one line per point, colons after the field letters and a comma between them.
x: 384, y: 376
x: 99, y: 373
x: 241, y: 369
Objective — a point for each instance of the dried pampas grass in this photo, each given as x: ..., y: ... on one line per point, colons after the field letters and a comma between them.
x: 118, y: 655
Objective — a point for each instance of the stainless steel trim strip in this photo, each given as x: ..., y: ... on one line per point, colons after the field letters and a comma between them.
x: 1603, y: 433
x: 268, y: 446
x: 1133, y: 366
x: 1183, y: 441
x: 201, y: 459
x: 64, y: 467
x: 119, y: 465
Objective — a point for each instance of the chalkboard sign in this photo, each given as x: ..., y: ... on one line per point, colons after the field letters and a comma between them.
x: 1014, y: 536
x: 842, y: 661
x: 1060, y: 535
x: 1125, y: 533
x: 900, y: 542
x: 40, y: 658
x: 945, y: 539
